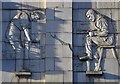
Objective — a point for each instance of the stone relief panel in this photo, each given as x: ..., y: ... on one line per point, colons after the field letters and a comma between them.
x: 25, y: 35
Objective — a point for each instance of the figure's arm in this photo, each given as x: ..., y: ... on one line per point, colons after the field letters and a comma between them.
x: 102, y: 28
x: 26, y: 32
x: 9, y: 34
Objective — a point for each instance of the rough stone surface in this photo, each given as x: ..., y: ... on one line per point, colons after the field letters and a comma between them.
x: 63, y: 13
x: 49, y: 60
x: 68, y: 76
x: 55, y: 4
x: 106, y: 5
x: 63, y: 64
x: 56, y: 76
x: 62, y: 36
x: 67, y: 4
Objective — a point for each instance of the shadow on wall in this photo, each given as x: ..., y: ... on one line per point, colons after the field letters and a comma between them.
x: 80, y: 66
x: 37, y: 50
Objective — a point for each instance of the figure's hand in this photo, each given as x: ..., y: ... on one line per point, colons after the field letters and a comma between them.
x: 90, y: 33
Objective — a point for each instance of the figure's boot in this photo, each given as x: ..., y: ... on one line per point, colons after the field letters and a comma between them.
x: 85, y: 58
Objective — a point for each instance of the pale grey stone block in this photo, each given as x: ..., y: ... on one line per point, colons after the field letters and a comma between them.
x: 55, y: 76
x: 67, y: 4
x: 67, y: 52
x: 54, y: 4
x: 117, y: 40
x: 50, y: 64
x: 63, y: 13
x: 110, y: 54
x: 106, y: 12
x: 54, y: 51
x: 119, y: 14
x: 31, y: 5
x: 106, y: 5
x: 62, y: 36
x: 68, y: 76
x: 37, y: 65
x: 54, y: 26
x: 80, y: 77
x: 66, y: 37
x: 9, y: 77
x: 63, y: 64
x: 21, y: 80
x: 38, y: 77
x: 111, y: 73
x: 111, y: 67
x: 116, y: 4
x: 79, y: 39
x: 67, y: 26
x: 115, y: 14
x: 6, y: 15
x: 50, y: 13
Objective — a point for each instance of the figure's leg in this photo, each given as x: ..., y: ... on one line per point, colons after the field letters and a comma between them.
x: 98, y: 64
x: 19, y: 53
x: 88, y: 49
x: 88, y: 52
x: 26, y: 64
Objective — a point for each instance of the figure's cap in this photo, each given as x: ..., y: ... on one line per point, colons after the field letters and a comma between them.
x: 89, y: 12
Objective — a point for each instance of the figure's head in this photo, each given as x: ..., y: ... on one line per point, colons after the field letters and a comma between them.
x: 91, y: 15
x: 37, y: 16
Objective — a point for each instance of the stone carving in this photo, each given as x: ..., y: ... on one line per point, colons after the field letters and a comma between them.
x: 62, y: 42
x: 18, y: 33
x: 98, y: 34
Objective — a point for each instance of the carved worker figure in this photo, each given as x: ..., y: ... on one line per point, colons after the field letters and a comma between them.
x: 97, y: 34
x: 19, y: 36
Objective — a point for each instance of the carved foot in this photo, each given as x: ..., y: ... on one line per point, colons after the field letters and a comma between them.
x: 97, y: 69
x: 85, y: 58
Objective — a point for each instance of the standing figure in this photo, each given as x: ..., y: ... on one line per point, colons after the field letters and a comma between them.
x: 97, y: 34
x: 19, y: 36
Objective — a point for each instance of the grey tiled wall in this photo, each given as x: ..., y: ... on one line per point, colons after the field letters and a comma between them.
x: 110, y: 65
x: 49, y: 60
